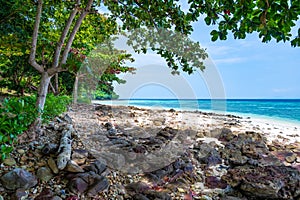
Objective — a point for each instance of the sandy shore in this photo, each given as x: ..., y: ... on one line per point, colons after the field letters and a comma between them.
x: 129, y: 128
x: 125, y: 152
x: 272, y: 129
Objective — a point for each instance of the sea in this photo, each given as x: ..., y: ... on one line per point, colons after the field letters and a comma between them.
x: 287, y: 110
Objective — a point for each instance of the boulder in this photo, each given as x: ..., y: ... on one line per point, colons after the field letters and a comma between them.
x: 268, y: 182
x: 18, y: 178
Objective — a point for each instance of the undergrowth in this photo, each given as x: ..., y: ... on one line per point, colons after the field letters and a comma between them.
x: 17, y: 114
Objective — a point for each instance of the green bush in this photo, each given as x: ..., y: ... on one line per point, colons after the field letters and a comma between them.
x: 54, y: 106
x: 17, y: 114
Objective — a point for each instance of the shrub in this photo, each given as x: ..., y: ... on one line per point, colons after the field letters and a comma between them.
x: 17, y: 114
x: 54, y: 106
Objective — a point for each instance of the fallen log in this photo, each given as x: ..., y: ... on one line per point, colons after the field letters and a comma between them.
x: 65, y: 147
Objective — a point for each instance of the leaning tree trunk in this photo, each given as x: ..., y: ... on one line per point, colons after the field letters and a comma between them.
x: 75, y: 89
x: 56, y: 85
x: 42, y: 94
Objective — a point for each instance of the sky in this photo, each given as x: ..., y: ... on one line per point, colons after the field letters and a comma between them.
x: 236, y: 69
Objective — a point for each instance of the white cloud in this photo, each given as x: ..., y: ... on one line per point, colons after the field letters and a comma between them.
x: 229, y: 60
x: 282, y: 90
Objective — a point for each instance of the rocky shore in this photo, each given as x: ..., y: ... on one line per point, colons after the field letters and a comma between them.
x: 134, y: 153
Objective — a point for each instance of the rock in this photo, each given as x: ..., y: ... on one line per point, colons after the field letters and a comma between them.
x: 181, y: 190
x: 20, y: 194
x: 44, y: 174
x: 72, y: 166
x: 291, y: 157
x: 108, y: 126
x: 21, y: 151
x: 200, y: 135
x: 207, y: 154
x: 18, y: 178
x: 157, y: 123
x: 79, y: 154
x: 268, y: 182
x: 226, y: 135
x: 214, y: 182
x: 167, y: 133
x: 46, y: 194
x: 68, y: 119
x: 77, y: 184
x: 52, y: 165
x: 136, y: 187
x: 98, y: 167
x: 101, y: 183
x: 9, y: 161
x: 49, y: 148
x: 56, y: 198
x: 157, y: 195
x: 140, y: 197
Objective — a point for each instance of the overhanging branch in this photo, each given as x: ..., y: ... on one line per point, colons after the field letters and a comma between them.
x: 32, y: 60
x: 64, y: 35
x: 74, y: 31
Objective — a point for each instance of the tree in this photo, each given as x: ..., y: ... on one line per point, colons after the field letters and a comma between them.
x: 57, y: 24
x: 98, y: 71
x: 77, y: 13
x: 271, y: 19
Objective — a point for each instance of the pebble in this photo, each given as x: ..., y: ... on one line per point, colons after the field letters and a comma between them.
x: 52, y: 165
x: 9, y: 161
x: 44, y: 174
x: 21, y: 151
x: 291, y: 158
x: 72, y: 166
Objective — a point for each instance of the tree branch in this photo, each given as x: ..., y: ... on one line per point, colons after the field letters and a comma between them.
x: 74, y: 31
x: 32, y: 60
x: 64, y: 35
x: 53, y: 70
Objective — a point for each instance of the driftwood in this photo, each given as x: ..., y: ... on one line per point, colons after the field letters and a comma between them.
x: 65, y: 147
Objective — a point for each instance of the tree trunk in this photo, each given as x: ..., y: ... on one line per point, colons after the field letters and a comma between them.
x: 56, y: 84
x: 43, y: 91
x: 75, y: 90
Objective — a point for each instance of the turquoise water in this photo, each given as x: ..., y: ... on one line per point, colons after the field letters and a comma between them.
x: 282, y: 109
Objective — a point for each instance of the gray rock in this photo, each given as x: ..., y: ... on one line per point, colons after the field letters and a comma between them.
x: 56, y: 198
x: 101, y: 183
x: 20, y: 194
x: 79, y: 153
x: 50, y: 148
x: 140, y: 197
x: 73, y: 167
x: 268, y: 182
x: 53, y: 166
x: 98, y: 167
x: 18, y: 178
x: 45, y: 194
x: 68, y: 119
x: 78, y: 185
x: 9, y: 161
x: 44, y: 174
x: 80, y: 156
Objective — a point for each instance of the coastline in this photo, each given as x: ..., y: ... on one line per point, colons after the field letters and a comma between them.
x: 128, y: 152
x: 222, y: 145
x: 267, y: 125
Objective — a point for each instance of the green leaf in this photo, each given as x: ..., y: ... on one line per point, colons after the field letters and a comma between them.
x: 207, y: 20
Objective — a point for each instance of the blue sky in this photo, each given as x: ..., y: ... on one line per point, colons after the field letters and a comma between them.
x: 237, y: 69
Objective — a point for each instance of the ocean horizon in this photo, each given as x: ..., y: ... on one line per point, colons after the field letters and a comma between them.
x: 278, y: 109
